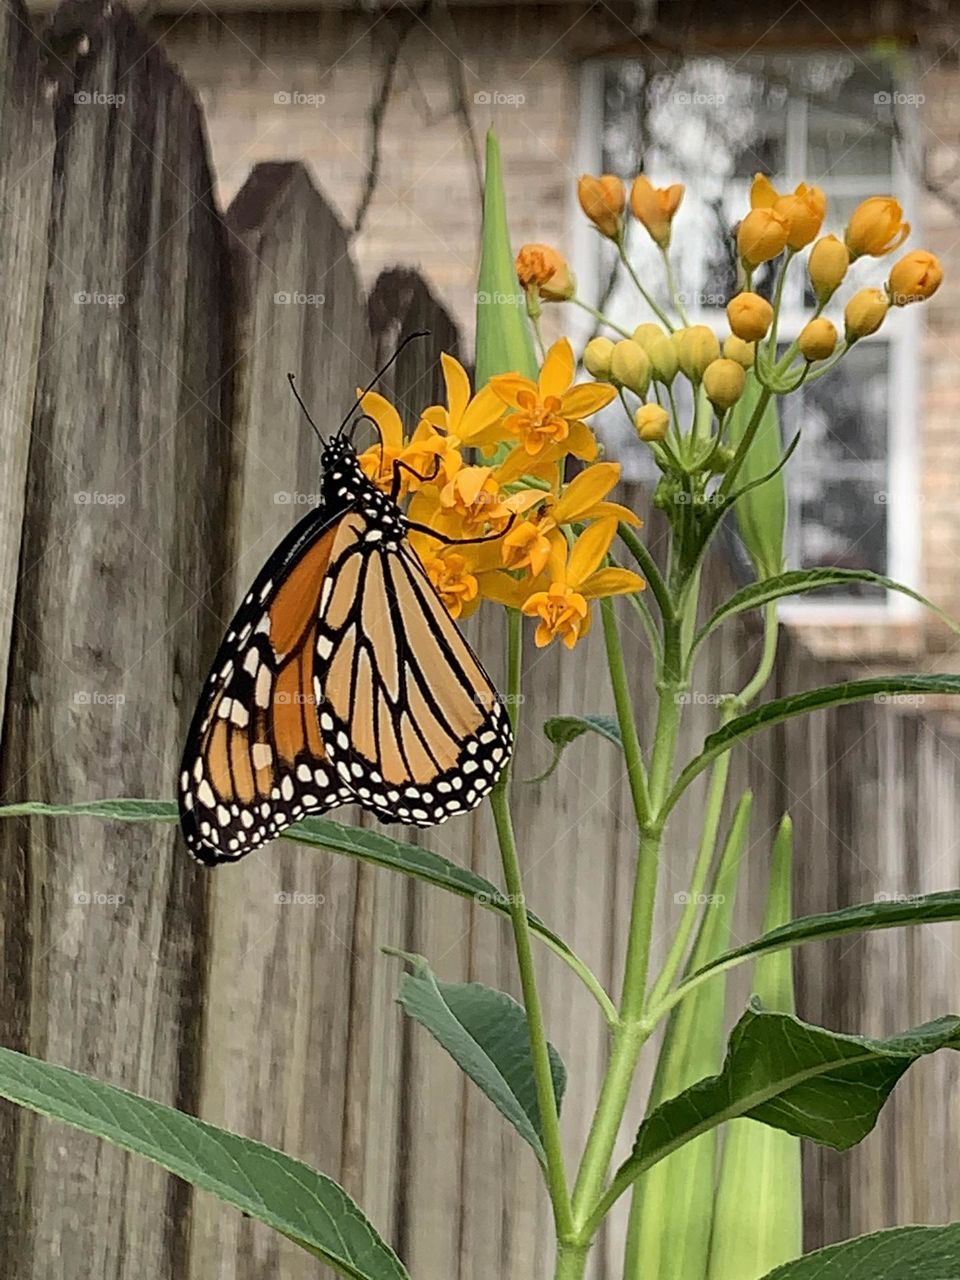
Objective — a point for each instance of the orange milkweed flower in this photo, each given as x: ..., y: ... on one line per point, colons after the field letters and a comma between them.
x: 527, y: 546
x: 543, y: 271
x: 876, y: 227
x: 574, y: 578
x: 655, y: 207
x: 547, y: 411
x: 602, y: 200
x: 804, y: 209
x: 473, y: 421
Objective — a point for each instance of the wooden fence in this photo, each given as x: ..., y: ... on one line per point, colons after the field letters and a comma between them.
x: 152, y: 456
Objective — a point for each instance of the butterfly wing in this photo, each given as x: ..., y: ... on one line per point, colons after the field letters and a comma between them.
x: 414, y: 726
x: 255, y: 760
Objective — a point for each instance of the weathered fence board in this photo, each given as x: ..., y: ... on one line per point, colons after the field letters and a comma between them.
x: 120, y: 544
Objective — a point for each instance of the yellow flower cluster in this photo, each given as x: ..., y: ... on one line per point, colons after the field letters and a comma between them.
x: 491, y: 466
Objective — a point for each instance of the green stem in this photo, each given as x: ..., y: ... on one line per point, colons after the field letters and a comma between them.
x: 764, y: 670
x: 633, y: 1031
x: 636, y: 769
x: 657, y: 311
x: 571, y: 1261
x: 672, y: 286
x: 701, y: 872
x: 650, y: 570
x: 600, y: 317
x: 546, y: 1099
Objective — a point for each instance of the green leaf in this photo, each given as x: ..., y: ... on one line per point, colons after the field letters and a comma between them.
x: 672, y: 1210
x: 562, y: 730
x: 758, y: 1212
x: 799, y: 581
x: 897, y: 912
x: 288, y: 1195
x: 504, y: 343
x: 776, y: 712
x: 486, y: 1033
x: 761, y: 514
x: 904, y: 1253
x: 355, y: 842
x: 800, y: 1078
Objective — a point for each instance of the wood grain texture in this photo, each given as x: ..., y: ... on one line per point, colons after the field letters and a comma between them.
x: 118, y: 569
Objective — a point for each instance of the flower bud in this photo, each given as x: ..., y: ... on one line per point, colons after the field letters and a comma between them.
x: 655, y: 207
x: 723, y: 381
x: 750, y: 316
x: 652, y: 421
x: 804, y: 211
x: 876, y: 227
x: 696, y: 347
x: 720, y: 459
x: 864, y: 313
x: 597, y: 355
x: 542, y: 270
x: 829, y: 260
x: 645, y: 334
x: 762, y: 235
x: 735, y: 348
x: 603, y: 200
x: 662, y: 355
x: 630, y: 367
x: 818, y: 339
x: 916, y: 277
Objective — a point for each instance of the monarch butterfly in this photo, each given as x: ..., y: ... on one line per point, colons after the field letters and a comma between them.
x: 342, y: 679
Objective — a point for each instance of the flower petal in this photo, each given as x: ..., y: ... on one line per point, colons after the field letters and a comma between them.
x: 510, y: 386
x: 585, y: 491
x: 589, y: 550
x: 611, y: 582
x: 385, y: 416
x: 615, y: 509
x: 581, y: 442
x: 586, y: 398
x: 558, y: 369
x: 458, y: 387
x: 479, y: 424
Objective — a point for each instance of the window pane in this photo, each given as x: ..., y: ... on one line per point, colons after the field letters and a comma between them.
x: 843, y: 417
x: 849, y: 123
x: 843, y: 523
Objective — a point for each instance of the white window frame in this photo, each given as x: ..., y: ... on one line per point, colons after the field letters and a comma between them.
x: 900, y: 331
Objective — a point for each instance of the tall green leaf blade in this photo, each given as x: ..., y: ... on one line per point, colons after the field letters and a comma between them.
x: 776, y: 712
x: 800, y: 581
x: 304, y: 1205
x: 803, y: 1079
x: 758, y: 1215
x: 671, y: 1214
x: 761, y: 514
x: 903, y: 1253
x: 504, y: 343
x: 486, y: 1033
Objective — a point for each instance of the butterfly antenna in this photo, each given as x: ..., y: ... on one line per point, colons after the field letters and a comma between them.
x: 411, y: 337
x: 306, y: 412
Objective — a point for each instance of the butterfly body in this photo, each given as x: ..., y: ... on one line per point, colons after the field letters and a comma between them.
x: 342, y: 679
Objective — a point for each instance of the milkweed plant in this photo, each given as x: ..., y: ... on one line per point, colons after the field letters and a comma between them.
x: 713, y: 1175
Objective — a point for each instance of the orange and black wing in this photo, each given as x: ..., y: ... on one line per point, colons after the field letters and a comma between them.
x: 255, y: 760
x: 413, y: 724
